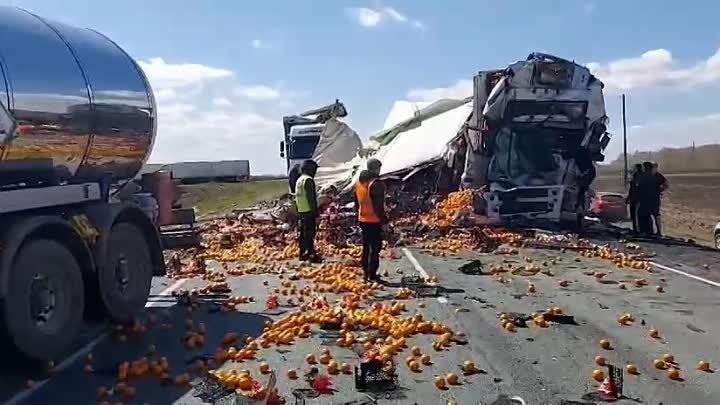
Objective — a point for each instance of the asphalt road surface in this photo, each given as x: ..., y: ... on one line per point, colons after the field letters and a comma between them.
x: 541, y: 365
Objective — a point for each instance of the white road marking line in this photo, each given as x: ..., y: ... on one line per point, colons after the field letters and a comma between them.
x: 688, y: 275
x: 415, y: 263
x: 420, y: 270
x: 166, y: 292
x: 22, y: 396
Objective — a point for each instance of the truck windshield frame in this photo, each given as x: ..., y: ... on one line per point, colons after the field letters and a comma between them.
x: 303, y: 147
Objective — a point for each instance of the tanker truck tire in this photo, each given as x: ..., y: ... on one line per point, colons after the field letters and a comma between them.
x: 125, y: 279
x: 42, y: 312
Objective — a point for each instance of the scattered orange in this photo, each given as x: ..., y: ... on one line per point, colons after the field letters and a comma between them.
x: 632, y: 369
x: 703, y: 365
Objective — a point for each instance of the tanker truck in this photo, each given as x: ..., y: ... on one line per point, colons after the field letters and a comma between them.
x: 77, y: 122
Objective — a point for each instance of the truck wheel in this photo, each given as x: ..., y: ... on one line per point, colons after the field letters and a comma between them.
x: 43, y: 310
x: 125, y: 278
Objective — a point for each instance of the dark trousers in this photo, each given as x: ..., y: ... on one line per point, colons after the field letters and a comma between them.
x: 307, y: 226
x: 372, y: 243
x: 645, y: 219
x: 633, y: 215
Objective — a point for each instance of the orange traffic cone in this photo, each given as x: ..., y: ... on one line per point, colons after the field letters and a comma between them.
x: 607, y: 389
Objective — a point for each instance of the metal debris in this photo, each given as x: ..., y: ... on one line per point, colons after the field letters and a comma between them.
x: 473, y: 268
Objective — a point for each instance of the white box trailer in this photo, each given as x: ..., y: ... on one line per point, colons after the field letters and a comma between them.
x: 192, y: 171
x: 231, y: 170
x: 188, y: 172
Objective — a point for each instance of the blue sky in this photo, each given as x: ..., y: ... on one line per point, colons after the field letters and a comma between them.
x: 225, y: 71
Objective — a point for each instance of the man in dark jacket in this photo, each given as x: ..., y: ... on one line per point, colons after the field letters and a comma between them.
x: 649, y: 189
x: 308, y: 212
x: 370, y: 204
x: 660, y: 184
x: 632, y: 197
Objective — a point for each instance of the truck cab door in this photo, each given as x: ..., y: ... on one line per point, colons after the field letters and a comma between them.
x: 483, y: 83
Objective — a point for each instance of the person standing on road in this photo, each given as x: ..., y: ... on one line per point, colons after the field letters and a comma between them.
x: 648, y: 199
x: 660, y: 184
x: 370, y: 203
x: 632, y: 197
x: 293, y: 176
x: 308, y: 212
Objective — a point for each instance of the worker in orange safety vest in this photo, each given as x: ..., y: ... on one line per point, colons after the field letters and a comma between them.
x: 369, y: 201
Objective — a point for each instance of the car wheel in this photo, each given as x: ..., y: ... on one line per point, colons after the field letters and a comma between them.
x: 43, y: 310
x: 717, y: 240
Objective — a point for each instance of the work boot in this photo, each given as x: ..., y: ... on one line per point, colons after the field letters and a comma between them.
x: 314, y: 258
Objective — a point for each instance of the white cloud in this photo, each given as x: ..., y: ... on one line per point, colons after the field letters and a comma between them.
x: 257, y: 44
x: 257, y: 92
x: 222, y: 102
x: 656, y: 68
x: 170, y: 76
x: 461, y: 89
x: 201, y: 118
x: 365, y: 16
x: 372, y: 17
x: 394, y: 14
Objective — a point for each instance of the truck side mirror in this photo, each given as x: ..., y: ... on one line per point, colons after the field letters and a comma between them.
x: 605, y: 140
x: 282, y: 149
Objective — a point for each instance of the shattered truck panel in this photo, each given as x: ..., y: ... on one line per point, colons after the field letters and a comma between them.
x: 538, y: 128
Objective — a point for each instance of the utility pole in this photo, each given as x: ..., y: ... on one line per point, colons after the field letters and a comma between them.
x: 625, y: 156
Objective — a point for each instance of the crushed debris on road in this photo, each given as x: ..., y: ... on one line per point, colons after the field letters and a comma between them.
x: 345, y: 335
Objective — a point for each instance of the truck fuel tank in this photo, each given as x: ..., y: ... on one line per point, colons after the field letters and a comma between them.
x: 83, y: 108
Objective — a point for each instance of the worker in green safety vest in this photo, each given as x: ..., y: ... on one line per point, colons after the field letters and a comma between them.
x: 307, y: 208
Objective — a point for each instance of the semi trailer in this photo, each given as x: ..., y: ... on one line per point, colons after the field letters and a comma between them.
x: 77, y: 123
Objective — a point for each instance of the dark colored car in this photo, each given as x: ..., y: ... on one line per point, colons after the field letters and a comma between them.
x: 609, y: 207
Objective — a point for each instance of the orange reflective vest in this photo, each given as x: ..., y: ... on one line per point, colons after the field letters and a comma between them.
x: 366, y: 212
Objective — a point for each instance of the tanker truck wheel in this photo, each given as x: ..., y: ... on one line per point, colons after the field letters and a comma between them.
x: 43, y: 310
x: 125, y: 278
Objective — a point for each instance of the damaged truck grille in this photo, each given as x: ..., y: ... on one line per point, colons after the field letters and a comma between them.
x: 540, y: 202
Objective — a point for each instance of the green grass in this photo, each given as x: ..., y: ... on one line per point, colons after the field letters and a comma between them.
x: 220, y: 198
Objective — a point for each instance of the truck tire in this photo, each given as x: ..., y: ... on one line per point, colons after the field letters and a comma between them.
x: 124, y: 279
x: 43, y: 310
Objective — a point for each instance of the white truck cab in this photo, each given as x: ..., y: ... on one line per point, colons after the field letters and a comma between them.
x: 303, y: 132
x: 301, y: 143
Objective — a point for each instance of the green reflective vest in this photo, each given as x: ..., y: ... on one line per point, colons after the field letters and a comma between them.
x: 301, y: 197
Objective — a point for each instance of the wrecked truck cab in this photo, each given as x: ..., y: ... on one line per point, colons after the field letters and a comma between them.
x: 540, y: 126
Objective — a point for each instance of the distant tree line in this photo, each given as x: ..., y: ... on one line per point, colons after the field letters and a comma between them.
x: 693, y: 159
